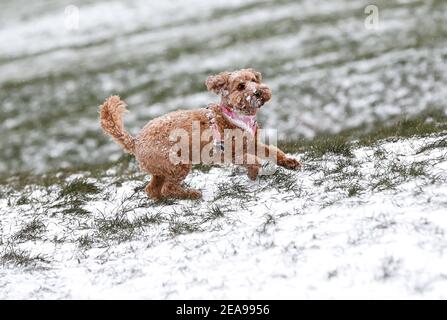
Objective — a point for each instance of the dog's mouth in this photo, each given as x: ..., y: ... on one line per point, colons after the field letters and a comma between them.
x: 256, y: 102
x: 247, y: 103
x: 250, y: 106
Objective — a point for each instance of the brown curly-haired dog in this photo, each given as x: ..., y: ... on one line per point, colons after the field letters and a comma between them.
x: 242, y: 94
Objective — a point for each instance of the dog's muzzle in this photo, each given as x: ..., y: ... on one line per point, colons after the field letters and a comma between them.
x: 256, y: 101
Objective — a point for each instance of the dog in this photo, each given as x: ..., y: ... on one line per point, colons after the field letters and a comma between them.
x: 242, y: 94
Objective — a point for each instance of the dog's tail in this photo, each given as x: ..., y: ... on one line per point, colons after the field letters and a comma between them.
x: 111, y: 117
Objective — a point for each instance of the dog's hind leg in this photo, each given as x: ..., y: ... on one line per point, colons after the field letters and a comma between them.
x: 172, y: 186
x: 153, y: 189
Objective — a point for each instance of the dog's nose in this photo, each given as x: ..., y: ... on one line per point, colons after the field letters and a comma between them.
x: 258, y: 93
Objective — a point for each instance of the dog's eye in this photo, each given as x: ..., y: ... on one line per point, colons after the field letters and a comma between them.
x: 241, y: 86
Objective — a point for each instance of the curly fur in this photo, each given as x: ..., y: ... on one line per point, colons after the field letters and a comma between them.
x: 111, y: 115
x: 242, y: 91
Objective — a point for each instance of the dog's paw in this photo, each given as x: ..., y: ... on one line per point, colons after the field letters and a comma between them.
x: 194, y: 194
x: 291, y: 163
x: 252, y: 173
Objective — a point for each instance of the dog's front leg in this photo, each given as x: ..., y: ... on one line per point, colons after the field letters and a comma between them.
x: 253, y: 165
x: 249, y: 161
x: 269, y: 152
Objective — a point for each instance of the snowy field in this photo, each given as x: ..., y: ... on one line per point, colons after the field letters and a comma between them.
x: 356, y: 226
x: 365, y: 111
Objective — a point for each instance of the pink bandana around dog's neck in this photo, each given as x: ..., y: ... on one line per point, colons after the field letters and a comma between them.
x: 247, y: 123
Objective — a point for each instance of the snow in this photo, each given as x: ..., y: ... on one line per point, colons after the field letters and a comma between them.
x: 309, y: 242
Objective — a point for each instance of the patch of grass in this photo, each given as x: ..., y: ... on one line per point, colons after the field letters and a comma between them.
x: 434, y: 145
x: 78, y: 187
x: 331, y: 144
x: 149, y: 220
x: 118, y: 229
x: 236, y: 190
x: 31, y: 231
x: 423, y: 124
x: 122, y: 229
x: 320, y: 146
x: 340, y: 171
x: 384, y: 183
x: 72, y: 206
x: 281, y: 180
x: 76, y: 211
x: 416, y: 169
x: 215, y: 212
x: 85, y: 241
x: 68, y: 203
x: 23, y: 200
x: 180, y: 227
x: 354, y: 190
x: 428, y: 122
x: 21, y: 258
x: 187, y: 211
x: 398, y: 169
x: 344, y: 177
x: 397, y: 172
x: 380, y: 153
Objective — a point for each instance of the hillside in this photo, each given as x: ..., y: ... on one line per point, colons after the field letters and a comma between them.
x: 360, y: 222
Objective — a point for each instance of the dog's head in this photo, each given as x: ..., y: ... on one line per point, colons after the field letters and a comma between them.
x: 240, y: 90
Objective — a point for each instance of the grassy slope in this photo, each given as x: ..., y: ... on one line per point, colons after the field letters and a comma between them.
x: 98, y: 218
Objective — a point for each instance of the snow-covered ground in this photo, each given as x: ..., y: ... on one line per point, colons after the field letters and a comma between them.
x: 368, y: 225
x: 327, y: 71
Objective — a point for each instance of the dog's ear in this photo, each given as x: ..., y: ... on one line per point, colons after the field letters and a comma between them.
x: 218, y: 82
x: 257, y: 74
